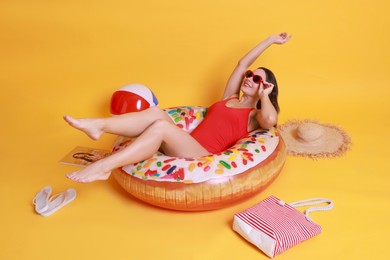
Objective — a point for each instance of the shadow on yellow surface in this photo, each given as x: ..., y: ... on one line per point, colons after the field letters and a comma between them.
x: 67, y: 57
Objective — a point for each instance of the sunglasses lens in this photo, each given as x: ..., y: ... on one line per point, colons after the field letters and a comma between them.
x: 248, y: 74
x: 256, y: 79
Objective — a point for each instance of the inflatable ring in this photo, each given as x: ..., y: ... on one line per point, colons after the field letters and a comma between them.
x: 208, y: 182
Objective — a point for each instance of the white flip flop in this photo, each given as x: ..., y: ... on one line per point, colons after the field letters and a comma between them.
x: 41, y: 200
x: 57, y: 201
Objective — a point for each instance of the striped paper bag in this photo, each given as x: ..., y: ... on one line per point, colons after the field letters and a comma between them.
x: 274, y: 226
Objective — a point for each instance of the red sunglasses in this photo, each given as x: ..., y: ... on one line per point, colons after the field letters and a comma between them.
x: 256, y: 78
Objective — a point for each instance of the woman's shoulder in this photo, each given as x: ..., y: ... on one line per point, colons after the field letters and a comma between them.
x: 234, y: 96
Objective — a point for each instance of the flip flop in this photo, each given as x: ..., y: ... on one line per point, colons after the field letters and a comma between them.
x: 59, y: 200
x: 41, y: 200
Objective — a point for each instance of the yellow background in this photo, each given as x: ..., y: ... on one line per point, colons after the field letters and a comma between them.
x: 68, y: 57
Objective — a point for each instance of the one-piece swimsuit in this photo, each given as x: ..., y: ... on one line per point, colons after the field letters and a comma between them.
x: 222, y: 127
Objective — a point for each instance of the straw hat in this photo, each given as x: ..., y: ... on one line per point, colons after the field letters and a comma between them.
x: 312, y: 139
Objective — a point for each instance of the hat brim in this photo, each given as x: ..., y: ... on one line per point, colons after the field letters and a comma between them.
x: 333, y: 142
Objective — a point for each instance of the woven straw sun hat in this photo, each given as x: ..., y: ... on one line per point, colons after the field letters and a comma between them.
x: 312, y: 139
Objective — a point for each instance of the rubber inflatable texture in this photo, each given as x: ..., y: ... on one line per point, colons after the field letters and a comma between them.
x: 205, y: 183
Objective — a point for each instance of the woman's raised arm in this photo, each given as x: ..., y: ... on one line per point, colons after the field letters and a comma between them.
x: 234, y: 82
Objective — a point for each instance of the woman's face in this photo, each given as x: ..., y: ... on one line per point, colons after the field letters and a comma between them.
x: 249, y: 87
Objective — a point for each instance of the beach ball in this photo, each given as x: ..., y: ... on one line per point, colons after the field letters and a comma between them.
x: 132, y: 98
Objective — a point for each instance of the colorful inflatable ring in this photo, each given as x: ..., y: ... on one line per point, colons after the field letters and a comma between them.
x: 204, y: 183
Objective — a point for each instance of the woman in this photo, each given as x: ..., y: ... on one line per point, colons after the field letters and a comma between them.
x: 225, y: 123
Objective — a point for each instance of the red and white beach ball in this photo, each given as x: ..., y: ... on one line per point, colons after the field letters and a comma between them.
x: 132, y: 98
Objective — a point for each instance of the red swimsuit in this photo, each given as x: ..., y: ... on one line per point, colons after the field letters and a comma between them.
x: 222, y: 127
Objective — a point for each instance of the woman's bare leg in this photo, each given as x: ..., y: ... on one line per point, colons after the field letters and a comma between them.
x: 130, y: 124
x: 173, y: 140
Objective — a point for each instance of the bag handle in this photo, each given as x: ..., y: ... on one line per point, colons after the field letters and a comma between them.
x: 313, y: 201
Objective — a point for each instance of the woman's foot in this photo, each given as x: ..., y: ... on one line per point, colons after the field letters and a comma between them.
x: 90, y: 127
x: 93, y: 172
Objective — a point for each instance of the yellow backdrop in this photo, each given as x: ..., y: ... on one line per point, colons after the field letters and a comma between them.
x: 68, y: 57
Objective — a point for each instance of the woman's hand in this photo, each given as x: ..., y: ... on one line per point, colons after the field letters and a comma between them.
x: 280, y: 38
x: 265, y: 89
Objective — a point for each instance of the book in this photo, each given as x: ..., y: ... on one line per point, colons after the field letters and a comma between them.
x: 83, y: 156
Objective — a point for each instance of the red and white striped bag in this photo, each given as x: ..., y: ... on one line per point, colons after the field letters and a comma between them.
x: 274, y: 226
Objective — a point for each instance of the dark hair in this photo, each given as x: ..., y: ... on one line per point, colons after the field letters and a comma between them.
x: 273, y: 96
